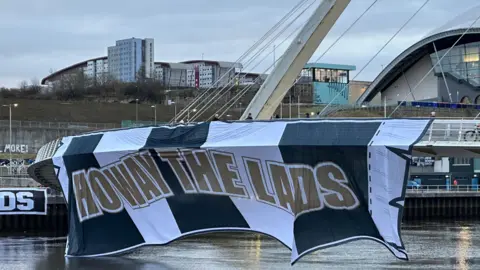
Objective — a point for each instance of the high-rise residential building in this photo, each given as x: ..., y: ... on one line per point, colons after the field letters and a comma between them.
x: 129, y: 56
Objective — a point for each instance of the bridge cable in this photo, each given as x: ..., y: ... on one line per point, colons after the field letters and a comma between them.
x: 376, y: 54
x: 215, y: 98
x: 252, y: 48
x: 237, y: 97
x: 343, y: 34
x: 333, y: 44
x: 446, y: 53
x: 198, y: 98
x: 266, y: 46
x: 266, y: 35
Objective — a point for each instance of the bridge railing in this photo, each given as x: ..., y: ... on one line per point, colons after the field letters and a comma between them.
x: 462, y: 130
x: 444, y: 188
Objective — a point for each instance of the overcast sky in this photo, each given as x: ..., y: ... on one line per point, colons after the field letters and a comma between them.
x: 37, y: 36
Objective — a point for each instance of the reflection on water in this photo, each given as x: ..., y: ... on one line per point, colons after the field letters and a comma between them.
x: 430, y: 246
x: 463, y: 247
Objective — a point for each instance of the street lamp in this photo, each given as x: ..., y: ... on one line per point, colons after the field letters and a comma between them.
x: 136, y: 111
x: 155, y: 113
x: 10, y: 127
x: 175, y: 110
x: 188, y: 114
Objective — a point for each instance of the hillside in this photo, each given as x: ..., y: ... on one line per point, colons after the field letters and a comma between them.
x: 98, y: 112
x: 82, y: 111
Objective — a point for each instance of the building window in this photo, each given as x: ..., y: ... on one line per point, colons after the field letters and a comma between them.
x: 331, y: 75
x: 461, y: 161
x: 462, y: 62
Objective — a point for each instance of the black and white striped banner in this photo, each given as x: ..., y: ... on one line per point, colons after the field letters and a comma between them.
x: 309, y: 184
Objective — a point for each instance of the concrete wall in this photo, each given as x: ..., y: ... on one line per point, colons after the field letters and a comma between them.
x: 457, y: 90
x: 356, y: 90
x: 26, y: 140
x: 401, y: 87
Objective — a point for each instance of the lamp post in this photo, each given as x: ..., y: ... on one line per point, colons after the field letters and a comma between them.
x: 175, y: 110
x: 298, y: 106
x: 136, y: 111
x: 188, y: 114
x: 10, y: 128
x: 155, y: 113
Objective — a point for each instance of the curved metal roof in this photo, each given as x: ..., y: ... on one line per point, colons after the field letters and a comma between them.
x: 462, y: 21
x: 70, y: 68
x: 444, y: 37
x: 221, y: 64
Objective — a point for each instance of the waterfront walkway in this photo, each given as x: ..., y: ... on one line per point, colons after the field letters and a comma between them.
x: 443, y: 191
x: 423, y: 192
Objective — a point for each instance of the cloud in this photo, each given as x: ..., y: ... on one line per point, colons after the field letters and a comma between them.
x: 53, y: 34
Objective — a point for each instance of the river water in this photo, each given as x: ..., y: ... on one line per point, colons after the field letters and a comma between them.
x: 430, y: 246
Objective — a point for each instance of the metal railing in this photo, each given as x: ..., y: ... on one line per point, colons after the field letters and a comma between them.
x: 18, y: 182
x: 444, y: 189
x: 26, y: 182
x: 461, y: 130
x: 59, y: 125
x: 47, y: 150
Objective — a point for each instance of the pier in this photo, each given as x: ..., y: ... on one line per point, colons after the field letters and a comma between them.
x: 442, y: 202
x: 55, y: 222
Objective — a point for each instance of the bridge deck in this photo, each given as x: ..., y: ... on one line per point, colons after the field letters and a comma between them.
x: 450, y: 138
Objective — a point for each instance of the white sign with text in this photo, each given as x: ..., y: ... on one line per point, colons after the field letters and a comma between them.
x: 16, y: 148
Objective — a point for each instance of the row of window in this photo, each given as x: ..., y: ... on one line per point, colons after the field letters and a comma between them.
x: 461, y: 161
x: 325, y: 75
x: 463, y: 62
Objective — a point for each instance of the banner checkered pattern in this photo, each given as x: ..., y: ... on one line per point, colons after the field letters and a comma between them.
x: 309, y: 184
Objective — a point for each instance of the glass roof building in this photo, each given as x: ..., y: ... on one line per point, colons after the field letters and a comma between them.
x: 456, y: 79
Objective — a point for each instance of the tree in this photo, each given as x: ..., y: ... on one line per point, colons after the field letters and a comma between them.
x: 35, y: 86
x: 141, y: 75
x: 23, y: 85
x: 71, y: 86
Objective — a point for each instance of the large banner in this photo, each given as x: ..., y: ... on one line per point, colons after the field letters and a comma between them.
x: 23, y: 201
x: 309, y: 184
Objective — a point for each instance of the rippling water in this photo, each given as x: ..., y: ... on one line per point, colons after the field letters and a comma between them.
x: 430, y: 246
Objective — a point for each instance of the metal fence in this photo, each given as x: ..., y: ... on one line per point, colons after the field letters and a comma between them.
x: 444, y: 189
x: 10, y: 181
x: 58, y: 125
x: 25, y: 181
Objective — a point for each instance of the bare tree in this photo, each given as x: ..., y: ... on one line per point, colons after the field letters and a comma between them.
x: 23, y: 85
x: 35, y: 86
x: 71, y: 86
